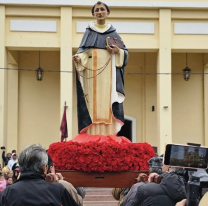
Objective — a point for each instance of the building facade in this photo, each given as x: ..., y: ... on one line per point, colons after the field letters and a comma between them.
x: 163, y: 37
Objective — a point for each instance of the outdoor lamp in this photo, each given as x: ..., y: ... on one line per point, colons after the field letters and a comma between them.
x: 39, y: 73
x: 186, y: 73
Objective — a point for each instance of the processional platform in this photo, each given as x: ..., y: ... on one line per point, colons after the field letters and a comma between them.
x: 123, y: 179
x: 101, y: 161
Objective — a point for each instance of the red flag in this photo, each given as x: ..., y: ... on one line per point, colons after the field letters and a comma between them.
x: 63, y: 128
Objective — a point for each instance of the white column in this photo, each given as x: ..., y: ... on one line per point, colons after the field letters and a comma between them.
x: 66, y: 65
x: 206, y: 105
x: 12, y: 102
x: 143, y: 99
x: 164, y: 105
x: 3, y: 79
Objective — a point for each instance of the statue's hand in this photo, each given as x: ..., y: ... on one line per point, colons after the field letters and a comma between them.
x: 114, y: 50
x: 76, y: 59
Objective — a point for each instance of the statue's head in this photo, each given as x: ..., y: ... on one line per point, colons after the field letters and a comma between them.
x: 100, y: 11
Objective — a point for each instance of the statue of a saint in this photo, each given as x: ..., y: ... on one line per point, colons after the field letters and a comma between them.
x: 100, y: 77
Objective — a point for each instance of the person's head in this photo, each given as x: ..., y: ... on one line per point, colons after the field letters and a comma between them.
x: 2, y: 178
x: 14, y: 151
x: 33, y: 159
x: 100, y: 11
x: 10, y: 180
x: 156, y: 164
x: 14, y: 156
x: 5, y: 169
x: 51, y: 168
x: 9, y: 155
x: 10, y: 173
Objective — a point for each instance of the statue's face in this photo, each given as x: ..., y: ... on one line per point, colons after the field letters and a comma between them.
x: 100, y: 12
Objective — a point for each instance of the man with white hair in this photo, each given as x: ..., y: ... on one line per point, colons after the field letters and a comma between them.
x: 31, y: 189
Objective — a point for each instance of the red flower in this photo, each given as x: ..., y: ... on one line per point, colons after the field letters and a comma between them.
x: 101, y: 156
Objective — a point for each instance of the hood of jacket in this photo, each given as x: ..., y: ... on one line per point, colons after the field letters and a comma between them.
x: 13, y: 155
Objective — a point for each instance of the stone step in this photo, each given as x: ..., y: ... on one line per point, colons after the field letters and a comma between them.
x: 98, y: 188
x: 100, y: 203
x: 98, y: 191
x: 99, y: 198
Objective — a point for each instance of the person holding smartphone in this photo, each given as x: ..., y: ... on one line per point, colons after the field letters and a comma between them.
x: 7, y: 157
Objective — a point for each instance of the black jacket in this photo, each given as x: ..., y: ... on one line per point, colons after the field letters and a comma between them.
x: 5, y: 159
x: 170, y: 191
x: 32, y: 190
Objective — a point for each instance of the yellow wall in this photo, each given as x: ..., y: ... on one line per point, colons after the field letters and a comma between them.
x: 32, y: 39
x: 141, y: 94
x: 12, y: 101
x: 187, y: 100
x: 38, y: 105
x: 133, y: 90
x: 3, y: 79
x: 132, y: 41
x: 39, y: 101
x: 151, y: 99
x: 192, y: 42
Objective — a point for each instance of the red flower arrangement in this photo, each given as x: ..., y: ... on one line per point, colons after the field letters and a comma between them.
x: 101, y: 156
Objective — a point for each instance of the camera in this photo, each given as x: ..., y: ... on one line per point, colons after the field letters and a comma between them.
x: 194, y: 158
x: 198, y: 180
x: 3, y: 147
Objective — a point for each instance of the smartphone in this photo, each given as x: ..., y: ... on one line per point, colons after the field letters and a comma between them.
x: 187, y: 156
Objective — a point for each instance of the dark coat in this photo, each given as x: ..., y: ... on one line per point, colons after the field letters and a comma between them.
x: 170, y: 191
x: 132, y: 192
x: 93, y: 39
x: 32, y: 190
x: 5, y: 159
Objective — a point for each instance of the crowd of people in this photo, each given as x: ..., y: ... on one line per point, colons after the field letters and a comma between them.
x: 10, y: 172
x: 36, y: 183
x: 164, y: 186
